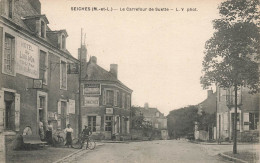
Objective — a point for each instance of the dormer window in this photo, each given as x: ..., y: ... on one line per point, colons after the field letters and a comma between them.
x: 9, y: 8
x: 43, y: 29
x: 63, y: 42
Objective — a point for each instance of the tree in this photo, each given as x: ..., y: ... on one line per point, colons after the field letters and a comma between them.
x: 231, y: 54
x: 180, y: 122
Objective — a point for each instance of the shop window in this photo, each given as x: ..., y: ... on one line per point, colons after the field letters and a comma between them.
x: 9, y: 53
x: 110, y: 97
x: 63, y: 75
x: 43, y: 66
x: 108, y: 123
x: 92, y: 123
x: 253, y: 121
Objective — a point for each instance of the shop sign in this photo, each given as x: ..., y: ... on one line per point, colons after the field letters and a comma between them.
x: 27, y: 58
x: 109, y: 110
x: 92, y: 89
x: 37, y: 83
x: 91, y: 101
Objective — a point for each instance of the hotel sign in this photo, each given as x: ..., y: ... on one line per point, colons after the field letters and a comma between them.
x: 92, y: 89
x: 91, y: 101
x: 27, y: 58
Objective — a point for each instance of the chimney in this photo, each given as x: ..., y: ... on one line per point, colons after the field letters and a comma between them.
x: 210, y: 92
x: 36, y: 4
x: 146, y: 105
x: 93, y: 59
x: 113, y: 69
x: 83, y: 54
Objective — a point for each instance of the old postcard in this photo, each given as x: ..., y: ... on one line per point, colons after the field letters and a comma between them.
x: 133, y: 81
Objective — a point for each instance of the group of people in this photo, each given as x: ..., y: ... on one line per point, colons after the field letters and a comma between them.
x: 68, y: 132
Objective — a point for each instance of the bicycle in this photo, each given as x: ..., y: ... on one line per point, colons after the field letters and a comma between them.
x: 78, y: 143
x: 58, y: 137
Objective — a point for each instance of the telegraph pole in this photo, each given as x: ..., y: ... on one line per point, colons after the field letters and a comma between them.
x: 79, y: 118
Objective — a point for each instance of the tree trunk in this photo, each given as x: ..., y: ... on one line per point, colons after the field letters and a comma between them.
x: 235, y: 124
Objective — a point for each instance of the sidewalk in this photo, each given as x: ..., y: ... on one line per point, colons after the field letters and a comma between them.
x: 247, y: 152
x: 46, y: 154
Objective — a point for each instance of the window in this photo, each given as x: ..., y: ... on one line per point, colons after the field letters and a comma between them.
x: 108, y: 123
x: 43, y: 29
x: 110, y: 97
x: 123, y: 100
x: 43, y: 66
x: 253, y: 121
x: 92, y: 123
x: 10, y: 8
x: 63, y: 42
x: 63, y: 75
x: 128, y: 102
x: 9, y: 52
x: 118, y: 98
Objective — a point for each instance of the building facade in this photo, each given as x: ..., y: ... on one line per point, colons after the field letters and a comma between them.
x: 34, y: 84
x: 106, y: 102
x: 247, y: 117
x: 155, y: 118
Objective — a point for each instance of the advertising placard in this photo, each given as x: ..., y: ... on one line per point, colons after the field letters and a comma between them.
x: 92, y: 89
x: 91, y: 101
x: 27, y: 58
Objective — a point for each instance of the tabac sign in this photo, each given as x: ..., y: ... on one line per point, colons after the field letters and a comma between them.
x: 27, y: 58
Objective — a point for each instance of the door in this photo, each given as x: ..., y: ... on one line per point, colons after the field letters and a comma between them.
x: 63, y: 114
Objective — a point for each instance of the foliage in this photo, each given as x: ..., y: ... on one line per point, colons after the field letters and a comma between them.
x: 232, y: 52
x: 138, y: 120
x: 181, y: 121
x: 206, y: 121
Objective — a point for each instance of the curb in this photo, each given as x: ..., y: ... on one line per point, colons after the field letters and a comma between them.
x: 232, y: 158
x: 74, y: 153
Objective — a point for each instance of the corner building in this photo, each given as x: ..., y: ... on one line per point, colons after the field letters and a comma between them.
x: 106, y: 102
x: 30, y: 52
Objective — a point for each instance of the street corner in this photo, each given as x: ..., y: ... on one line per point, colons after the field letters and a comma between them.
x: 241, y: 156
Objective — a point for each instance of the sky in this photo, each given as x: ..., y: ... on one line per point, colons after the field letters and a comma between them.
x: 159, y: 53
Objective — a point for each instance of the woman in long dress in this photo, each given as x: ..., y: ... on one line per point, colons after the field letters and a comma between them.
x: 68, y: 132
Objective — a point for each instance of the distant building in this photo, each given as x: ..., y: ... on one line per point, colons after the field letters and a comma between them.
x: 155, y: 118
x: 209, y: 106
x: 106, y: 102
x: 34, y: 84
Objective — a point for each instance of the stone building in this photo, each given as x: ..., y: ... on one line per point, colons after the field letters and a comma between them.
x: 247, y: 118
x: 155, y: 118
x: 34, y: 84
x: 106, y: 102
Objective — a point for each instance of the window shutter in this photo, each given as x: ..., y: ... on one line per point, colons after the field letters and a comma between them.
x: 68, y: 108
x: 127, y: 126
x: 59, y: 107
x: 71, y: 106
x: 246, y: 121
x: 104, y: 97
x: 115, y: 98
x: 225, y: 121
x: 2, y: 108
x: 98, y: 123
x: 17, y: 112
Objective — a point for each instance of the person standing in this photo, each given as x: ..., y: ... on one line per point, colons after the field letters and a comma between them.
x: 49, y: 133
x: 68, y: 131
x: 85, y: 134
x: 41, y: 130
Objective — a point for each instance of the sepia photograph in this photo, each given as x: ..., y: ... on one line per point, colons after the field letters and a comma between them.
x: 129, y: 81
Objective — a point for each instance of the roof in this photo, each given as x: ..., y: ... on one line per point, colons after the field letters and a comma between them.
x: 24, y: 11
x: 93, y: 72
x: 209, y: 105
x: 149, y: 112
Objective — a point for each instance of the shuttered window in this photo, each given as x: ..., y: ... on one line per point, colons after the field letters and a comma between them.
x: 9, y: 53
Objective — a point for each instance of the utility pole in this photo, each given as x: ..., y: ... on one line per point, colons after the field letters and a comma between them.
x: 79, y: 118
